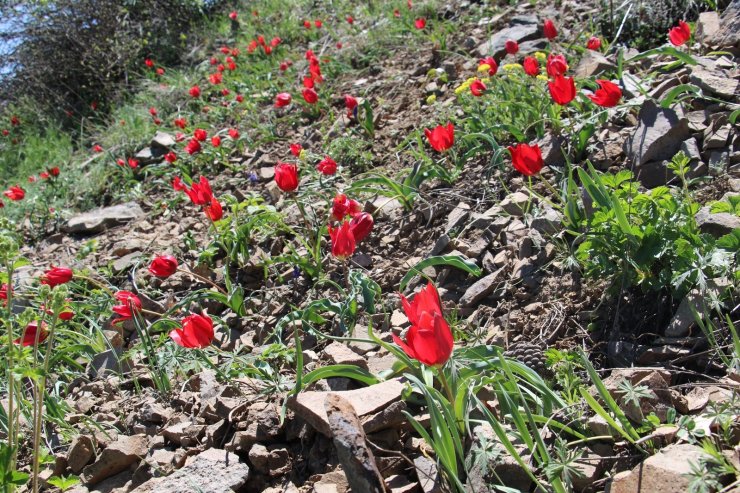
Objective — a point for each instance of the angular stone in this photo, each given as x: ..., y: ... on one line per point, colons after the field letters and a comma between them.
x: 428, y: 475
x: 482, y: 288
x: 549, y: 222
x: 717, y: 224
x: 664, y: 472
x: 339, y: 354
x: 728, y: 36
x: 366, y: 402
x: 495, y: 46
x: 211, y: 471
x: 593, y: 63
x: 349, y: 439
x: 458, y: 216
x: 116, y: 457
x: 714, y: 82
x: 80, y: 453
x: 101, y: 219
x: 658, y: 135
x: 163, y: 140
x: 707, y: 25
x: 515, y: 203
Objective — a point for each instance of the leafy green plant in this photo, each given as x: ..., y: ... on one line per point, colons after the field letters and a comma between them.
x: 646, y: 239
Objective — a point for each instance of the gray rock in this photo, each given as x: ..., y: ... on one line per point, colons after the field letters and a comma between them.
x: 108, y: 361
x: 99, y: 220
x: 163, y: 140
x: 515, y: 203
x: 727, y: 38
x: 552, y: 147
x: 658, y: 135
x: 428, y: 475
x: 717, y: 224
x: 482, y: 288
x: 593, y: 63
x: 707, y: 26
x: 715, y: 82
x: 211, y: 471
x: 457, y: 217
x: 665, y: 472
x: 367, y: 402
x: 349, y: 439
x: 549, y: 222
x: 80, y: 453
x: 339, y: 354
x: 116, y: 457
x: 495, y: 46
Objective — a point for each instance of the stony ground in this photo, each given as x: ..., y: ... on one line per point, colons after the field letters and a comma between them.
x: 223, y: 436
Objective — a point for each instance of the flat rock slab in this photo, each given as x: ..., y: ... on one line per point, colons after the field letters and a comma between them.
x: 116, y: 458
x: 495, y: 46
x: 98, y: 220
x: 212, y: 471
x: 367, y: 402
x: 659, y: 134
x: 664, y: 472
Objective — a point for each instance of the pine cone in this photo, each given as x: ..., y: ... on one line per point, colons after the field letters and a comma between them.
x: 532, y: 355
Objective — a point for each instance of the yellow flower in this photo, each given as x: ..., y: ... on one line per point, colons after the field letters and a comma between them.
x: 540, y: 56
x: 512, y: 66
x: 465, y: 85
x: 542, y: 77
x: 431, y: 99
x: 484, y: 67
x: 303, y: 155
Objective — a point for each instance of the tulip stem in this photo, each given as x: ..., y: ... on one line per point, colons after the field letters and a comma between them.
x: 551, y: 188
x: 446, y: 386
x: 95, y: 283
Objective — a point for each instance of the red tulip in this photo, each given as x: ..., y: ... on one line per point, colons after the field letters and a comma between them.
x: 239, y: 98
x: 234, y: 133
x: 120, y: 162
x: 275, y: 42
x: 44, y: 175
x: 214, y: 211
x: 296, y: 149
x: 396, y: 13
x: 342, y: 241
x: 531, y: 66
x: 557, y: 65
x: 180, y: 122
x: 97, y: 148
x: 200, y: 134
x: 361, y: 224
x: 192, y: 147
x: 512, y: 47
x: 526, y: 159
x: 160, y: 71
x: 133, y: 163
x: 4, y: 292
x: 429, y: 340
x: 318, y: 23
x: 308, y: 82
x: 215, y: 141
x: 170, y: 157
x: 178, y: 185
x: 593, y: 43
x: 233, y: 15
x: 196, y: 332
x: 163, y: 266
x: 286, y: 176
x: 282, y: 99
x: 153, y: 111
x: 441, y: 138
x: 327, y: 166
x: 562, y: 90
x: 310, y: 95
x: 283, y: 66
x: 66, y: 315
x: 492, y: 65
x: 350, y: 19
x: 343, y: 206
x: 608, y: 94
x: 29, y: 334
x: 679, y: 34
x: 54, y: 171
x: 15, y: 193
x: 549, y: 29
x: 195, y: 91
x: 200, y: 192
x: 129, y: 305
x: 350, y: 103
x: 477, y: 87
x: 420, y: 23
x: 216, y: 78
x: 225, y: 92
x: 56, y: 276
x: 149, y: 63
x: 307, y: 24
